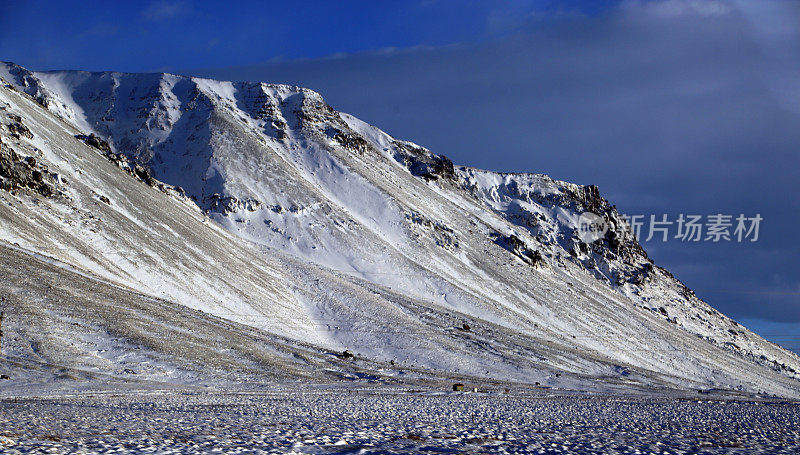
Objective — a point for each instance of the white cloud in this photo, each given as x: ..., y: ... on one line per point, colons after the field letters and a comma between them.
x: 677, y: 8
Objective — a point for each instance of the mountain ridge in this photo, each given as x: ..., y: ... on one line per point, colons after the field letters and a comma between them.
x: 277, y: 167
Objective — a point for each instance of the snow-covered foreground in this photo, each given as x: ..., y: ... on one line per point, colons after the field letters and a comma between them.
x: 375, y: 421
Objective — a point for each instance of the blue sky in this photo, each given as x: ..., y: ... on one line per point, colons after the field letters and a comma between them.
x: 671, y: 106
x: 178, y: 34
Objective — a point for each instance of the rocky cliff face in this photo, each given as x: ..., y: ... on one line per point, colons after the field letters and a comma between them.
x: 22, y: 173
x: 421, y: 239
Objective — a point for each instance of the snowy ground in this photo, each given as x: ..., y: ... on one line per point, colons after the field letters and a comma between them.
x: 373, y: 421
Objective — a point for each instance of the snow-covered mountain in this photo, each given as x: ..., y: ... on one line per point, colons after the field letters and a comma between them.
x: 262, y: 205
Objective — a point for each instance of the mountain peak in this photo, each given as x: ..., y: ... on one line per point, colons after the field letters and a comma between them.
x: 350, y: 227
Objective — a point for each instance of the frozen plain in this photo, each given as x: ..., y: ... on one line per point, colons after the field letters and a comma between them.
x: 339, y: 421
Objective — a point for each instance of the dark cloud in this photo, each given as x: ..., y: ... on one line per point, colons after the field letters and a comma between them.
x: 670, y: 107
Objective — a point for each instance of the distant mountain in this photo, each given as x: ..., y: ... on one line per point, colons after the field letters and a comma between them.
x: 262, y: 205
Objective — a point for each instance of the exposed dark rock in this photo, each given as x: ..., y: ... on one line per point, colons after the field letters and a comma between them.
x: 642, y: 274
x: 314, y: 110
x: 279, y: 129
x: 96, y: 142
x: 230, y: 204
x: 352, y: 141
x: 345, y: 355
x: 119, y: 159
x: 261, y: 106
x: 258, y: 103
x: 590, y: 196
x: 519, y: 248
x: 140, y: 172
x: 422, y: 163
x: 143, y: 174
x: 416, y: 218
x: 687, y: 293
x: 444, y: 167
x: 618, y: 246
x: 17, y: 173
x: 17, y: 128
x: 579, y: 248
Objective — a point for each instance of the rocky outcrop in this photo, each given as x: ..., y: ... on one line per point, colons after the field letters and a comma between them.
x: 138, y: 171
x: 618, y: 254
x: 260, y: 105
x: 518, y: 248
x: 230, y: 204
x: 143, y: 174
x: 422, y: 163
x: 539, y: 203
x: 351, y: 141
x: 618, y: 242
x: 17, y: 129
x: 95, y: 141
x: 312, y: 109
x: 17, y: 173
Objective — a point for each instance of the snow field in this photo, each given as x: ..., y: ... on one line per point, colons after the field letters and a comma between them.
x: 369, y: 421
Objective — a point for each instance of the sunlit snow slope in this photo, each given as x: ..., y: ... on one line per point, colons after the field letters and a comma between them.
x: 280, y: 213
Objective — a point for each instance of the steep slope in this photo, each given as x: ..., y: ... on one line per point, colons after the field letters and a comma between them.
x: 62, y: 326
x: 366, y: 242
